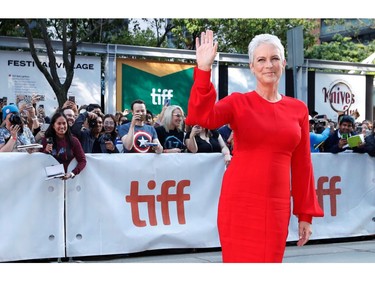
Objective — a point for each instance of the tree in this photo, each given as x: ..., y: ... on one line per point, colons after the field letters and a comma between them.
x: 71, y: 32
x: 234, y: 35
x: 68, y: 36
x: 341, y: 49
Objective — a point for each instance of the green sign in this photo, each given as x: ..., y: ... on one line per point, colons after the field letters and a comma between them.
x: 154, y: 82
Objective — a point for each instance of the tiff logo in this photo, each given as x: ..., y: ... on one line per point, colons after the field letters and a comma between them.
x: 332, y: 191
x: 164, y: 198
x: 159, y: 96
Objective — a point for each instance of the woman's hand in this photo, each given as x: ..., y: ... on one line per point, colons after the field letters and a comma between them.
x: 48, y: 148
x: 206, y: 50
x: 304, y: 232
x: 196, y: 130
x: 227, y: 159
x: 67, y: 176
x: 109, y: 145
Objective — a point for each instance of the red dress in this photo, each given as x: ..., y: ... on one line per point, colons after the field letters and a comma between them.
x: 271, y: 161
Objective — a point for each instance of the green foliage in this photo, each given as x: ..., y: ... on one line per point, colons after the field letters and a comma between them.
x: 234, y: 35
x: 341, y: 49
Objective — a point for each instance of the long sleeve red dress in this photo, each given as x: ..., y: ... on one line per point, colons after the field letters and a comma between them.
x: 271, y: 162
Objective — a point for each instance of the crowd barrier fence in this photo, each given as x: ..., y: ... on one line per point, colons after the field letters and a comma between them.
x: 128, y: 203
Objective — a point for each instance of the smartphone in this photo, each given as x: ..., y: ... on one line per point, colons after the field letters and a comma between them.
x: 143, y: 117
x: 344, y: 136
x: 49, y: 140
x: 167, y: 102
x: 28, y: 102
x: 39, y: 97
x: 5, y: 101
x: 151, y: 144
x: 322, y: 116
x: 41, y: 106
x: 72, y: 98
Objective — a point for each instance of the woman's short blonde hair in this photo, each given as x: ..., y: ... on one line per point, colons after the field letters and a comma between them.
x: 167, y: 118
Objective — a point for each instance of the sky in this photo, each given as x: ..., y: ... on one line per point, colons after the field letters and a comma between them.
x: 187, y: 9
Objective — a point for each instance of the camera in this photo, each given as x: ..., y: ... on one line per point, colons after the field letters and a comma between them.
x: 107, y: 137
x: 92, y: 123
x: 143, y: 117
x: 49, y: 140
x: 322, y: 122
x: 15, y: 119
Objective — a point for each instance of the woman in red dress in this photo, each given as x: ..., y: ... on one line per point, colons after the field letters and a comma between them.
x: 270, y: 163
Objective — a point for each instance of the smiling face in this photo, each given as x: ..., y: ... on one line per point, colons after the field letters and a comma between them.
x: 69, y: 113
x: 109, y: 125
x: 267, y: 65
x: 60, y: 126
x: 177, y: 118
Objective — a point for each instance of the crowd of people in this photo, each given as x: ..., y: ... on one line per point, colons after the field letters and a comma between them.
x: 72, y: 131
x: 165, y: 132
x: 329, y: 136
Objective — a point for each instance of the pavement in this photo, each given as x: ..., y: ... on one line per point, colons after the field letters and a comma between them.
x: 361, y: 250
x: 351, y: 259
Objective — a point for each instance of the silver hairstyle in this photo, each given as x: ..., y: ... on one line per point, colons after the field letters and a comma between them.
x: 265, y: 38
x: 167, y: 118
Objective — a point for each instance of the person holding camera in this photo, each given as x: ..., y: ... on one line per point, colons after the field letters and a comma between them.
x: 271, y: 174
x: 14, y: 132
x: 63, y: 146
x: 320, y: 130
x: 91, y: 138
x: 136, y: 136
x: 203, y: 140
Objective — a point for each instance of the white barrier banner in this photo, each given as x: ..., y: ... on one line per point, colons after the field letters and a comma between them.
x: 345, y: 186
x: 128, y: 203
x: 31, y: 209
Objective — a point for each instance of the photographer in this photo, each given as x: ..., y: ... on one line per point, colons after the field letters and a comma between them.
x: 91, y: 138
x: 14, y: 133
x: 320, y: 129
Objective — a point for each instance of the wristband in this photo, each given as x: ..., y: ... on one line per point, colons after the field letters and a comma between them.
x: 14, y: 138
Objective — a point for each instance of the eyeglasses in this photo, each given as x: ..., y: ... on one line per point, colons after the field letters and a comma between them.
x: 178, y: 115
x: 109, y: 123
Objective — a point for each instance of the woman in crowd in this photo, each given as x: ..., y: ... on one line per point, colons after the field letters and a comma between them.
x: 170, y: 133
x: 110, y: 136
x: 63, y: 146
x: 202, y: 140
x: 269, y: 163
